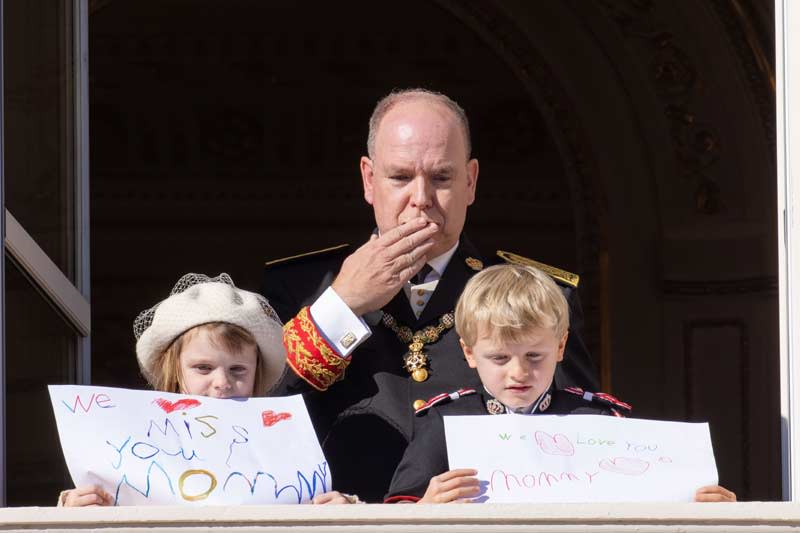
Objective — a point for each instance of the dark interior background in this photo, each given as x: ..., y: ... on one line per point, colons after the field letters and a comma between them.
x: 226, y: 134
x: 630, y: 141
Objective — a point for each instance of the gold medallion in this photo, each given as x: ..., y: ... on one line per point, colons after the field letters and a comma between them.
x: 415, y: 361
x: 474, y: 264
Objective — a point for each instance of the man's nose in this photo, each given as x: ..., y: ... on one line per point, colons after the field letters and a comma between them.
x: 422, y: 193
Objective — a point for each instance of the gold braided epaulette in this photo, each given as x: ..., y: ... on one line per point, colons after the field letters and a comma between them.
x: 561, y: 275
x: 307, y: 254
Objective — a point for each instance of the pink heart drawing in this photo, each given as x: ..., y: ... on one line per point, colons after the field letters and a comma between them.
x: 178, y: 405
x: 270, y: 418
x: 629, y: 466
x: 557, y: 444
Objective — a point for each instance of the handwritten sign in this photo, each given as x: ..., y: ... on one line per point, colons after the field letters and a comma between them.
x: 581, y: 458
x: 147, y: 447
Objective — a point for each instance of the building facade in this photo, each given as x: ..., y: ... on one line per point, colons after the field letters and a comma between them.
x: 632, y: 142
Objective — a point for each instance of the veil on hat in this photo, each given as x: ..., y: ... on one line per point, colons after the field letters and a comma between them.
x: 197, y: 299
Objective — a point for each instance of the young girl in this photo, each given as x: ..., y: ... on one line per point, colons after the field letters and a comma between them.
x: 208, y: 338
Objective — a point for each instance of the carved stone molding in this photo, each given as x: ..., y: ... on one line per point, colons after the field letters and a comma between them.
x: 757, y: 62
x: 510, y: 43
x: 674, y: 76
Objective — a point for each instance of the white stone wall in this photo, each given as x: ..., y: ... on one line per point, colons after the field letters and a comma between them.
x: 606, y: 518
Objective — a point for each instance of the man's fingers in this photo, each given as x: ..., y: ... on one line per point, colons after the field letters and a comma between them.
x: 408, y: 272
x: 403, y: 230
x: 372, y: 275
x: 412, y: 241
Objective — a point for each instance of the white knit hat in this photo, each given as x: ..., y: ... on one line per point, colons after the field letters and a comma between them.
x: 197, y: 299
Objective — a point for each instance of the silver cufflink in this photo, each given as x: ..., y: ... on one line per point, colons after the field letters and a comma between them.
x: 348, y: 340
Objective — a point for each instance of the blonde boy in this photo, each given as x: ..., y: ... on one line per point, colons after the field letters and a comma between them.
x: 513, y: 322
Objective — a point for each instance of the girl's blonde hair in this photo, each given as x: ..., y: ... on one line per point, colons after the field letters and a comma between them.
x: 507, y: 301
x: 227, y: 336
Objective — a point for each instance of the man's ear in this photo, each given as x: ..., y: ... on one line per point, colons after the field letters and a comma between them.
x: 562, y: 345
x: 472, y: 179
x: 467, y: 354
x: 367, y: 177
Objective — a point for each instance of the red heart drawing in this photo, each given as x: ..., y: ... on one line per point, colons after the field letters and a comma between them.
x: 625, y: 465
x: 557, y: 444
x: 179, y: 405
x: 270, y: 418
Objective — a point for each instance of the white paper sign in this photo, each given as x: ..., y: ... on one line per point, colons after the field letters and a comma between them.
x: 148, y: 447
x: 581, y: 458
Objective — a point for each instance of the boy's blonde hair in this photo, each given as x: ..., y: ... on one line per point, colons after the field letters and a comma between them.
x: 229, y: 337
x: 507, y: 301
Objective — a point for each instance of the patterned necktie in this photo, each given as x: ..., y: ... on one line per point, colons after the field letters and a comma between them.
x: 419, y: 277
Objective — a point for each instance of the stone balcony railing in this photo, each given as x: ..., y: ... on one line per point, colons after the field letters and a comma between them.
x: 606, y: 518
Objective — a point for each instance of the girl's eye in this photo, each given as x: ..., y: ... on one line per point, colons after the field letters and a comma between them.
x: 238, y: 369
x: 203, y: 368
x: 535, y: 356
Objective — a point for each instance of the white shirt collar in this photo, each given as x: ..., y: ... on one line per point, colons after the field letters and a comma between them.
x: 528, y: 409
x: 439, y: 263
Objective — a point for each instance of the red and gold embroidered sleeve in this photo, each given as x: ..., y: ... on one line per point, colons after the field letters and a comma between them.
x: 309, y: 354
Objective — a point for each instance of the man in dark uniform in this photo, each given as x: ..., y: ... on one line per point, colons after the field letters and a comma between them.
x: 359, y: 308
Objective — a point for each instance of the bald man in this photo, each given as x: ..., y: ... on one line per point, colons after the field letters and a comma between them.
x: 373, y: 336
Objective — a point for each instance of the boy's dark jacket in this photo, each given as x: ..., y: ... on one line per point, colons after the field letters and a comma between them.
x: 426, y: 454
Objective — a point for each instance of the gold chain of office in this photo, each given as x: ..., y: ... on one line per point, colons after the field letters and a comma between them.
x: 415, y: 361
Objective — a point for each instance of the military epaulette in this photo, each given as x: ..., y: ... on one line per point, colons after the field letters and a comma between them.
x: 561, y: 275
x: 307, y: 254
x: 442, y: 398
x: 606, y: 400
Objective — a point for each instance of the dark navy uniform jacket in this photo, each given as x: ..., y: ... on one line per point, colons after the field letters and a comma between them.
x: 426, y: 454
x: 365, y: 420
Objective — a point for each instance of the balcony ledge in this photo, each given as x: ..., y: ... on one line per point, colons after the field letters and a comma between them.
x: 684, y: 517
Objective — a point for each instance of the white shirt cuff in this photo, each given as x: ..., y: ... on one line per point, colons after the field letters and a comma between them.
x: 343, y: 329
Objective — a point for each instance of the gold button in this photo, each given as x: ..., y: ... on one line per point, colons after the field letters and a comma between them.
x: 420, y: 292
x: 418, y: 404
x: 420, y: 302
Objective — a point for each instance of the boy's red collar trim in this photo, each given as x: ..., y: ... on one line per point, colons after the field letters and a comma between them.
x: 601, y: 398
x: 443, y: 398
